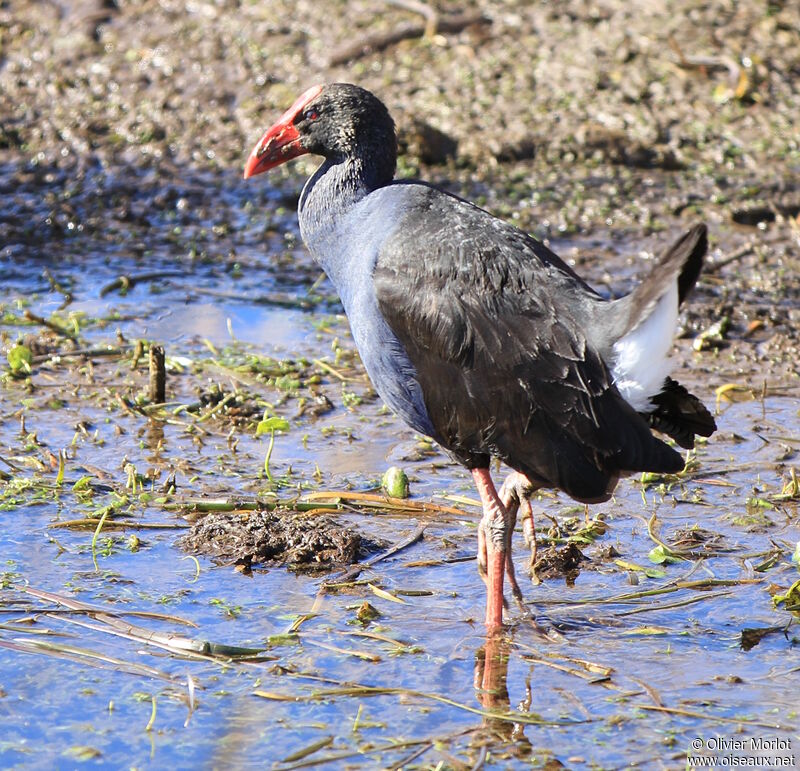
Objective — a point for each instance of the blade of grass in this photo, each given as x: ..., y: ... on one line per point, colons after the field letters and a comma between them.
x: 151, y: 722
x: 94, y: 537
x: 84, y: 656
x: 527, y: 718
x: 118, y: 524
x: 316, y: 746
x: 714, y: 718
x: 345, y: 651
x: 379, y: 750
x: 669, y: 605
x: 384, y: 595
x: 77, y: 605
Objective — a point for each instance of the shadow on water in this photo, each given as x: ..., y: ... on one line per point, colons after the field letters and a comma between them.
x: 390, y: 669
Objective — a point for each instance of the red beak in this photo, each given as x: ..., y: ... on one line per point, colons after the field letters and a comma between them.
x: 281, y: 142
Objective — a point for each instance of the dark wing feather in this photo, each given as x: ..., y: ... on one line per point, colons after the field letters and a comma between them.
x: 489, y: 318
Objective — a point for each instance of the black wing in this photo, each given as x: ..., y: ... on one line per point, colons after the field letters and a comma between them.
x: 491, y: 319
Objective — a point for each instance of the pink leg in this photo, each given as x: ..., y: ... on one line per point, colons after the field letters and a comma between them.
x: 493, y: 538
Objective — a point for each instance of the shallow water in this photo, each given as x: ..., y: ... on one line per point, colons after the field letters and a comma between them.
x: 632, y: 680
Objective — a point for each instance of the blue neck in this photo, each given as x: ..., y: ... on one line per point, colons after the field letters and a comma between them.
x: 328, y: 195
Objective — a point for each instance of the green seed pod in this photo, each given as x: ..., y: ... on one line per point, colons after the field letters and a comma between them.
x: 395, y: 482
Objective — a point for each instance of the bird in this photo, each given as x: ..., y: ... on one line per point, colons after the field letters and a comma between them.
x: 478, y: 335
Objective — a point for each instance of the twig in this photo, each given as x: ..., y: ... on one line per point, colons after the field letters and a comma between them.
x: 316, y: 746
x: 359, y: 753
x: 108, y: 351
x: 355, y: 570
x: 59, y: 330
x: 703, y: 583
x: 651, y: 692
x: 126, y: 283
x: 668, y: 605
x: 413, y: 756
x: 703, y: 62
x: 311, y: 502
x: 275, y: 299
x: 363, y: 655
x: 379, y: 41
x: 8, y: 463
x: 736, y: 254
x: 179, y: 645
x: 431, y: 15
x: 56, y: 287
x: 588, y: 677
x: 327, y: 367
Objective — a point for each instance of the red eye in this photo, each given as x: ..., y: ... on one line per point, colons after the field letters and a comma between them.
x: 311, y: 115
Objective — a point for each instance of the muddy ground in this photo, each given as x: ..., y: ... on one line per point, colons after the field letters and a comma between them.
x: 613, y: 123
x: 603, y: 127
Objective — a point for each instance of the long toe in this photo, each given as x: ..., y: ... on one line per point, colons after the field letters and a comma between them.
x: 529, y: 533
x: 508, y: 492
x: 511, y: 523
x: 482, y: 558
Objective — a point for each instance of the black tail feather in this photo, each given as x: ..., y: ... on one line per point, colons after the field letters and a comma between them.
x: 681, y: 262
x: 698, y: 237
x: 680, y: 415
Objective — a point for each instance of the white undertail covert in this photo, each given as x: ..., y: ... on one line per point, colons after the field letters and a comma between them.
x: 642, y: 357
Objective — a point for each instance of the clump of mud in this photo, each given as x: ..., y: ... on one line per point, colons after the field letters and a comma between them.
x: 566, y: 562
x: 275, y: 537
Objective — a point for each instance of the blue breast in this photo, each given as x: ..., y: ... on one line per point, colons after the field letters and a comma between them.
x: 347, y: 247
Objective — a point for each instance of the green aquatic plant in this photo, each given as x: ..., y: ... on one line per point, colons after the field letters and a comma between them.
x: 270, y: 425
x: 19, y: 360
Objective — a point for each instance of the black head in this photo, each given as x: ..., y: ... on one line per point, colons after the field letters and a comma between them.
x: 339, y: 121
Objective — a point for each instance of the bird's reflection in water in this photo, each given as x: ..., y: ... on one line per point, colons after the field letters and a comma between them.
x: 491, y: 690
